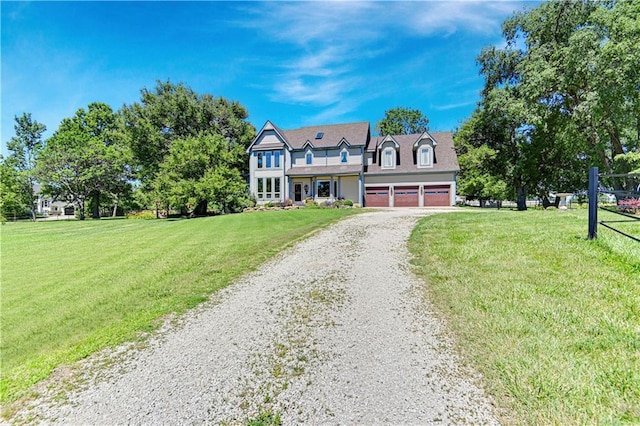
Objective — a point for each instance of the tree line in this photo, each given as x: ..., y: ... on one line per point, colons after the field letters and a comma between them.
x: 174, y: 149
x: 561, y: 96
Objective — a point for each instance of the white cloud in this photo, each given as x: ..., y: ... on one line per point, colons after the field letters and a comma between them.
x: 328, y: 42
x: 453, y: 105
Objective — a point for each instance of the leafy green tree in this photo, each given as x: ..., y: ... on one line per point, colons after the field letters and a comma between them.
x: 478, y: 162
x: 13, y: 201
x: 184, y: 145
x: 562, y: 96
x: 85, y: 157
x: 175, y: 111
x: 402, y: 121
x: 197, y: 172
x: 628, y: 163
x: 24, y: 148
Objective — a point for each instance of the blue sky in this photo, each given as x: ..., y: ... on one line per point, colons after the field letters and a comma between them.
x: 296, y: 64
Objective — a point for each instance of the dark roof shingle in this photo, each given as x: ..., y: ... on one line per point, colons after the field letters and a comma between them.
x: 445, y: 155
x: 355, y: 134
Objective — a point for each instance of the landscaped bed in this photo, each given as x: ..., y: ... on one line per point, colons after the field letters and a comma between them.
x: 550, y: 318
x: 70, y: 288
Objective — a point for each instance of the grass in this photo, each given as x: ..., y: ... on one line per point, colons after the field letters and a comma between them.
x: 72, y: 288
x: 551, y: 319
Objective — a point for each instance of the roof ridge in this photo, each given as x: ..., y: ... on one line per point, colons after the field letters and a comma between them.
x: 329, y: 125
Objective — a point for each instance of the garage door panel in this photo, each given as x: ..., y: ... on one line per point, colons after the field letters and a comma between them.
x: 437, y: 196
x: 376, y: 197
x: 406, y: 196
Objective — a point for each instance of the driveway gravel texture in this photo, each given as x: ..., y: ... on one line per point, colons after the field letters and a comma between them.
x: 334, y: 330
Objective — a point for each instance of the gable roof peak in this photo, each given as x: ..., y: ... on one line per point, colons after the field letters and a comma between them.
x: 269, y: 126
x: 390, y: 138
x: 423, y: 136
x: 344, y: 141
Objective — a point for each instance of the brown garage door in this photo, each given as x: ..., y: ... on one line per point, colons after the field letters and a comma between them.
x: 406, y: 196
x: 436, y: 196
x: 376, y: 196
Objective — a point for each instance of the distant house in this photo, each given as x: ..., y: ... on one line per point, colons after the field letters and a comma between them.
x: 48, y: 206
x: 343, y: 161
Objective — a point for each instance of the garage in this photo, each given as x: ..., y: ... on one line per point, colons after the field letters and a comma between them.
x: 437, y: 196
x: 377, y: 196
x: 406, y: 196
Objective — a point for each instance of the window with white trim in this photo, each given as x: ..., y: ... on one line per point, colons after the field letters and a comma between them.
x: 324, y: 188
x: 309, y: 158
x: 268, y: 159
x: 268, y: 188
x: 260, y: 187
x: 389, y: 158
x: 425, y: 156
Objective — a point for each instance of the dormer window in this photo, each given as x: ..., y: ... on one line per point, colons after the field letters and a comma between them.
x: 425, y: 156
x: 309, y: 158
x: 344, y: 156
x: 388, y: 158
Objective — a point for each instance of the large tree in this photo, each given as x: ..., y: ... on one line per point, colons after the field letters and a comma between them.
x: 197, y: 171
x: 562, y: 95
x: 185, y: 144
x: 24, y: 148
x: 174, y: 111
x: 402, y: 121
x: 85, y: 157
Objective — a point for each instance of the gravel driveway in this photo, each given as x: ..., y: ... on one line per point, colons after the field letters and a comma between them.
x: 332, y: 331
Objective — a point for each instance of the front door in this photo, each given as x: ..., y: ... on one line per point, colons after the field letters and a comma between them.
x: 297, y: 192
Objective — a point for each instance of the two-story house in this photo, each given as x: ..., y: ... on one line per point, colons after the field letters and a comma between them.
x: 343, y: 161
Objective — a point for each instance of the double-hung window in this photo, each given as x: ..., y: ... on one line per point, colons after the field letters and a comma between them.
x: 276, y: 159
x: 388, y: 158
x: 425, y: 157
x: 309, y: 158
x: 344, y: 156
x: 268, y: 159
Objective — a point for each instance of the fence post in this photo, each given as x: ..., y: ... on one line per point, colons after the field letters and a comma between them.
x: 593, y: 203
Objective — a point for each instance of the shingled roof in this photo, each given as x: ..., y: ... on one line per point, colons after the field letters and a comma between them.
x: 446, y: 159
x: 356, y: 134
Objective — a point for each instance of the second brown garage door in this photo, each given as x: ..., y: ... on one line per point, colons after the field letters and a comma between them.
x: 437, y: 196
x: 406, y: 196
x: 377, y: 196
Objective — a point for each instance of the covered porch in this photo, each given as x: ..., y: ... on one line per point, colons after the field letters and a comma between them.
x: 325, y: 185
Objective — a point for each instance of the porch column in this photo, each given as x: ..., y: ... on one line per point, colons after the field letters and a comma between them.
x: 332, y: 196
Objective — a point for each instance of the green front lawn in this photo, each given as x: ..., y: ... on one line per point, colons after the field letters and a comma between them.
x: 550, y: 318
x: 72, y: 288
